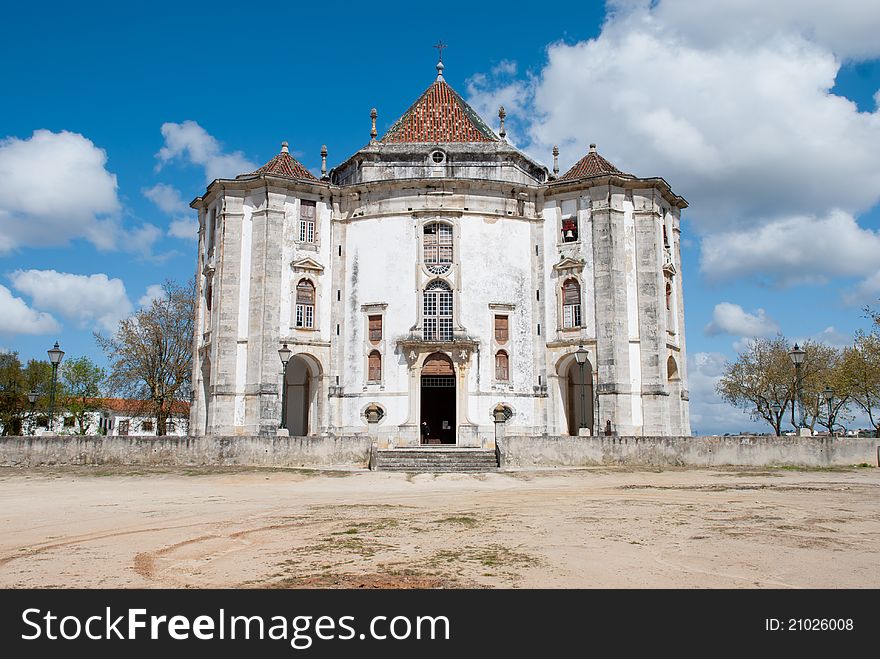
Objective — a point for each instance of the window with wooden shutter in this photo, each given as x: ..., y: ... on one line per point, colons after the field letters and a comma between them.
x: 571, y: 303
x: 501, y: 329
x: 305, y: 304
x: 375, y: 329
x: 502, y: 366
x: 374, y: 371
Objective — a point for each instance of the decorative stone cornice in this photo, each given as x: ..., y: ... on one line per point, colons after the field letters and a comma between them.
x: 459, y: 349
x: 569, y: 264
x: 307, y: 265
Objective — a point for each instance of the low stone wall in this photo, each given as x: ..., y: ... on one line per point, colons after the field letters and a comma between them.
x: 354, y: 451
x: 348, y: 451
x: 742, y: 450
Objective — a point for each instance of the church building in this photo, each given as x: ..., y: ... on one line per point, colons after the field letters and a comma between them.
x: 438, y: 280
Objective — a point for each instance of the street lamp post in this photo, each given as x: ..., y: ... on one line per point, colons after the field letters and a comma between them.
x: 581, y: 357
x: 55, y: 355
x: 32, y: 399
x: 284, y: 354
x: 776, y: 408
x: 828, y: 393
x: 797, y: 358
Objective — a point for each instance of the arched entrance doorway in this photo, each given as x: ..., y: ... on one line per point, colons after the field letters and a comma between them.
x: 300, y: 395
x: 579, y: 398
x: 438, y: 399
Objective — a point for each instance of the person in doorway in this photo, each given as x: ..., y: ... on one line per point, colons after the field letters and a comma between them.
x: 426, y: 431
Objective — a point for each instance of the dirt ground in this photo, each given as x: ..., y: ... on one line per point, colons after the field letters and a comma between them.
x: 126, y: 527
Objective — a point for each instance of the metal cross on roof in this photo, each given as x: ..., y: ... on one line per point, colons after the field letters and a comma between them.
x: 440, y: 46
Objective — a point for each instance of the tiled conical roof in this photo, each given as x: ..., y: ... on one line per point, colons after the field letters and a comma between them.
x: 591, y: 164
x: 284, y: 165
x: 440, y: 115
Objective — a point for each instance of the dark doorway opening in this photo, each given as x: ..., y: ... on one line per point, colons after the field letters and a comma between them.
x: 438, y: 400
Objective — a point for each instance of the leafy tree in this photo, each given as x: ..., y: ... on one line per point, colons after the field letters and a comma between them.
x: 82, y: 382
x: 760, y: 381
x: 861, y: 370
x: 11, y: 393
x: 823, y: 367
x: 150, y: 355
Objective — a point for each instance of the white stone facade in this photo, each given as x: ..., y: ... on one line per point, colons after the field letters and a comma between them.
x: 402, y: 221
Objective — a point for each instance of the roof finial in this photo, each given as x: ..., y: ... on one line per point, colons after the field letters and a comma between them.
x: 440, y: 46
x: 555, y: 160
x: 284, y: 147
x: 592, y: 148
x: 501, y: 114
x: 373, y: 133
x: 323, y: 160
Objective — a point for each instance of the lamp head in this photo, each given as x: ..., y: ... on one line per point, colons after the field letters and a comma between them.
x: 580, y: 355
x: 284, y: 353
x: 797, y: 355
x: 55, y: 354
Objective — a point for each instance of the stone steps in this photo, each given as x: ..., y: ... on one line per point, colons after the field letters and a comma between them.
x: 437, y: 460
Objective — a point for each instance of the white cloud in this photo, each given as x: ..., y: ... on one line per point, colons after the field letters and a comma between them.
x: 154, y: 292
x: 191, y: 142
x: 832, y: 337
x: 55, y: 187
x: 505, y: 67
x: 731, y: 103
x: 186, y: 228
x: 16, y: 317
x: 142, y: 240
x: 793, y: 250
x: 728, y: 318
x: 866, y: 291
x: 846, y: 27
x: 89, y: 300
x: 167, y: 198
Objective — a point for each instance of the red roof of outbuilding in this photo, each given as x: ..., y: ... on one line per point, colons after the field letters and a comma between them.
x: 440, y: 115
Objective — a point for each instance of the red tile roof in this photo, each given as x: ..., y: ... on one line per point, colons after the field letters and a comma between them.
x: 284, y: 165
x: 124, y: 405
x: 440, y: 115
x: 591, y: 164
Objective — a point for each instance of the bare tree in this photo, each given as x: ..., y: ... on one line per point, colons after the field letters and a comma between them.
x: 760, y: 381
x: 82, y: 381
x: 150, y: 355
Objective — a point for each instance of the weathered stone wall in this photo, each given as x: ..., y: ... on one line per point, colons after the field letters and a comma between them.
x: 686, y: 451
x: 352, y: 451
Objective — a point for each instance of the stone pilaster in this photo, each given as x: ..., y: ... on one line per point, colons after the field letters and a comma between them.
x: 612, y: 343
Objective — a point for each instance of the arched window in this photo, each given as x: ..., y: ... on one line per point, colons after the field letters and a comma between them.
x: 437, y: 247
x: 305, y: 303
x: 438, y: 312
x: 571, y: 303
x: 502, y: 366
x: 374, y: 373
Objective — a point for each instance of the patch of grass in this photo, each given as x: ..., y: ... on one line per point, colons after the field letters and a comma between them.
x: 490, y: 556
x: 808, y: 469
x: 462, y: 520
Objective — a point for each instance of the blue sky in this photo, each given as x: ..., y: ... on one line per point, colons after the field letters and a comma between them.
x: 116, y: 115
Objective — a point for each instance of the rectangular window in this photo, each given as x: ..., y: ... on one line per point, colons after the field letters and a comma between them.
x: 501, y: 329
x: 147, y: 426
x: 306, y: 231
x: 571, y: 315
x: 123, y: 427
x: 446, y: 329
x: 307, y: 221
x: 68, y: 422
x: 430, y: 329
x: 375, y: 329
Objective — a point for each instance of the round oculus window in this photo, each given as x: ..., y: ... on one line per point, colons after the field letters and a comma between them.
x: 438, y: 157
